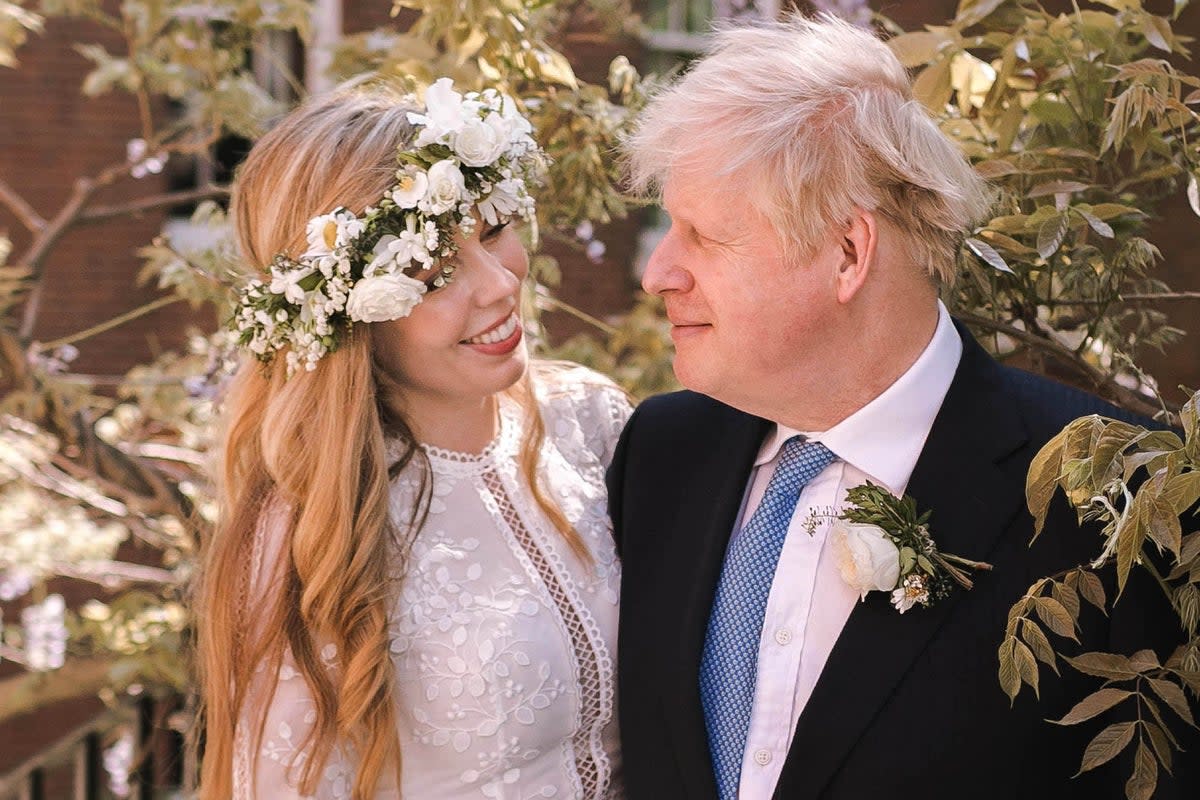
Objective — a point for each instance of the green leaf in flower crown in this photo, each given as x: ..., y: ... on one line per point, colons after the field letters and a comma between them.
x: 1106, y: 745
x: 1093, y: 705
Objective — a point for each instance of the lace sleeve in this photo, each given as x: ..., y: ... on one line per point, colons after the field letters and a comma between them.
x: 609, y: 408
x: 280, y: 705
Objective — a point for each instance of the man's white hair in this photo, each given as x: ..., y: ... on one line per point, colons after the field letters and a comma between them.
x: 813, y: 118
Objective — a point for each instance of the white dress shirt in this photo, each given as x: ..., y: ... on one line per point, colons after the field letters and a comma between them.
x: 809, y: 602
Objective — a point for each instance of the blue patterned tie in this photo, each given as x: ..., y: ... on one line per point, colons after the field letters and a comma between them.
x: 729, y: 664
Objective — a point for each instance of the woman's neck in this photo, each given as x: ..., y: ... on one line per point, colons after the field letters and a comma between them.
x: 465, y: 427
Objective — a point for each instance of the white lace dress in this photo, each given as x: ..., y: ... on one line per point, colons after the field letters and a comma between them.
x: 502, y: 639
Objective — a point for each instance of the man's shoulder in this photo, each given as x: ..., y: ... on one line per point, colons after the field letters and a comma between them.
x: 1047, y: 406
x: 684, y: 411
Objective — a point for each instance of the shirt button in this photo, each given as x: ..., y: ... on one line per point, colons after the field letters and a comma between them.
x: 762, y: 757
x: 783, y: 636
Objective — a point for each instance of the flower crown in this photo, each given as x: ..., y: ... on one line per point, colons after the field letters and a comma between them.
x: 472, y: 152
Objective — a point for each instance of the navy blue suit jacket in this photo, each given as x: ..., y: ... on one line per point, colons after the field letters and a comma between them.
x: 906, y: 705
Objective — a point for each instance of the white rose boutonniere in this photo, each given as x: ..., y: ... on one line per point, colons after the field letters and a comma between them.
x: 866, y: 556
x: 881, y: 544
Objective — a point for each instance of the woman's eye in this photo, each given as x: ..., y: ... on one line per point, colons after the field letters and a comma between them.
x: 493, y: 231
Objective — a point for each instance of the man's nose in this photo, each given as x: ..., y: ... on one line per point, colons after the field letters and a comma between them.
x: 664, y: 270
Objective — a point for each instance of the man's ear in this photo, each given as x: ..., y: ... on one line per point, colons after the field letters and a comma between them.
x: 857, y: 256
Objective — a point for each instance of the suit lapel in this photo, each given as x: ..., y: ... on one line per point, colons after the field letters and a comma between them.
x: 963, y: 477
x: 701, y: 534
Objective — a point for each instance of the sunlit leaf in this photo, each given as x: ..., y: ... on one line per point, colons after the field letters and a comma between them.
x: 1106, y: 745
x: 1093, y: 705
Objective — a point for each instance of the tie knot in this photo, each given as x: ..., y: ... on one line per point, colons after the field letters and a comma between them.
x: 799, y: 462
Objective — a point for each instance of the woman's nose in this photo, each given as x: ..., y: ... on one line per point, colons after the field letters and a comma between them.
x: 491, y: 280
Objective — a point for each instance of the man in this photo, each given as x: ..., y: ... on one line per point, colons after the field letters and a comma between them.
x: 815, y: 211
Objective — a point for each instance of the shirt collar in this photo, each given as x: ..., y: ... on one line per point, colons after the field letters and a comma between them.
x: 884, y: 438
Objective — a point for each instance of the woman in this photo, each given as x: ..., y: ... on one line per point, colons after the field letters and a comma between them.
x: 412, y: 590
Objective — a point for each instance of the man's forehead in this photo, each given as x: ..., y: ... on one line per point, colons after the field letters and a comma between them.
x: 698, y: 194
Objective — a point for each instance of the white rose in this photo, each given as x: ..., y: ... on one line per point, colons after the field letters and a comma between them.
x: 384, y: 297
x: 480, y: 143
x: 444, y: 113
x: 446, y: 188
x: 866, y: 556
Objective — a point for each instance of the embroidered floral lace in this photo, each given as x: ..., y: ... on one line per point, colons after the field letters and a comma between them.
x: 502, y: 638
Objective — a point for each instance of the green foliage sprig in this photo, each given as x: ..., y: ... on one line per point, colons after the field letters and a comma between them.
x: 1135, y: 484
x: 1083, y: 126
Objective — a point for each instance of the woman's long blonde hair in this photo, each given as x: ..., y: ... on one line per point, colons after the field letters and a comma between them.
x: 310, y: 451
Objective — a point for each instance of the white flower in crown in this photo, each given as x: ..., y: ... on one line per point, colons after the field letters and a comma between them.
x: 504, y: 200
x: 444, y: 114
x: 446, y: 188
x: 482, y: 141
x: 329, y: 231
x: 398, y: 252
x: 381, y: 298
x: 287, y: 282
x: 411, y: 186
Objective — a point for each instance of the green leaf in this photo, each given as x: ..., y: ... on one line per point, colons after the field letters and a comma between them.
x: 1193, y: 193
x: 1129, y: 544
x: 1026, y: 665
x: 1010, y: 677
x: 1093, y: 705
x: 1141, y: 783
x: 1157, y: 31
x: 1068, y: 597
x: 1116, y: 437
x: 1051, y: 234
x: 932, y: 86
x: 1107, y: 744
x: 1172, y: 694
x: 1144, y: 661
x: 1103, y: 665
x: 1042, y: 479
x: 1092, y: 589
x: 1098, y: 225
x: 918, y: 47
x: 989, y: 255
x: 1162, y: 748
x: 1039, y: 644
x: 1057, y: 618
x: 1057, y: 187
x: 1182, y: 491
x: 971, y: 12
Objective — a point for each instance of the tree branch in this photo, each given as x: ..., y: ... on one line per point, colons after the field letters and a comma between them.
x: 46, y: 239
x: 1106, y: 384
x: 153, y: 203
x: 33, y: 221
x: 140, y: 311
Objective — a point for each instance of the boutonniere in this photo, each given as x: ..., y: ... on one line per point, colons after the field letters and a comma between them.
x: 880, y: 543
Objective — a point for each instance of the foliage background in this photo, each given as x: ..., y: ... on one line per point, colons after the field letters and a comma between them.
x: 1083, y: 117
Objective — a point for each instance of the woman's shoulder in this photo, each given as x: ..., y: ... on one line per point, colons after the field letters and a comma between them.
x: 564, y: 386
x: 574, y: 397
